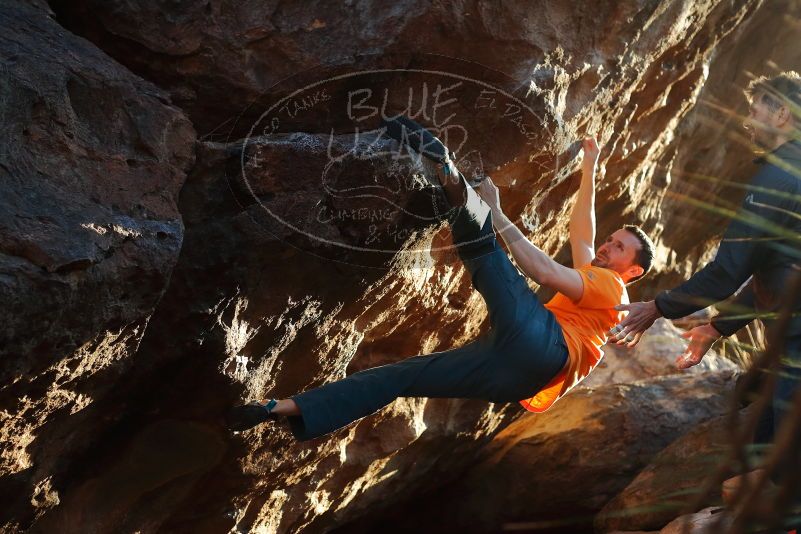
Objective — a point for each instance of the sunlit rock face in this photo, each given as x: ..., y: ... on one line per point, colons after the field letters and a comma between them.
x: 627, y: 72
x: 248, y: 315
x: 558, y: 469
x: 287, y: 280
x: 91, y: 161
x: 563, y: 465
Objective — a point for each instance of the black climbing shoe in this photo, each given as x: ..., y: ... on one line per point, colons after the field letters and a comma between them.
x: 409, y: 133
x: 241, y: 418
x: 417, y: 137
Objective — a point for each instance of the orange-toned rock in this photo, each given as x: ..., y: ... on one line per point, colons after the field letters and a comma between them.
x: 563, y: 465
x: 661, y: 490
x: 257, y: 308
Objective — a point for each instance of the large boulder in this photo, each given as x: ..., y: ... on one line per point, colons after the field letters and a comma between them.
x: 91, y: 162
x: 249, y: 315
x: 562, y: 466
x: 222, y: 60
x: 662, y: 489
x: 601, y: 437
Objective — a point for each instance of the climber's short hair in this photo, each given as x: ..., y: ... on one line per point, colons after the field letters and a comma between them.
x: 644, y: 257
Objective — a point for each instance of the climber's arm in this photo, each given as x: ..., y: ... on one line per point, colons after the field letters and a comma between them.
x: 534, y: 263
x: 582, y: 218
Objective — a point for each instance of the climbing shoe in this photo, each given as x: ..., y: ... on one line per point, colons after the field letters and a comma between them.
x: 241, y: 418
x: 409, y: 133
x: 415, y: 136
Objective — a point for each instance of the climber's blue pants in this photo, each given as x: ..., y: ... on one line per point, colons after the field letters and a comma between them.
x: 521, y: 353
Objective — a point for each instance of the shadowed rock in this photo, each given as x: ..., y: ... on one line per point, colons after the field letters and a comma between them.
x: 662, y: 489
x: 91, y: 162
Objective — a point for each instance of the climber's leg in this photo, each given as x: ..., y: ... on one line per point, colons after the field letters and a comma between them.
x: 486, y: 369
x: 511, y: 303
x: 334, y: 405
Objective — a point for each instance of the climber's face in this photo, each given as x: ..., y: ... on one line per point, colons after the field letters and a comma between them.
x: 619, y: 253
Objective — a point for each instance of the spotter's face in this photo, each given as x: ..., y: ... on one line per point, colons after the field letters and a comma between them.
x: 762, y: 122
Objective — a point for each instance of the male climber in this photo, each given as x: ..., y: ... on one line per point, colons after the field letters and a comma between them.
x: 533, y: 353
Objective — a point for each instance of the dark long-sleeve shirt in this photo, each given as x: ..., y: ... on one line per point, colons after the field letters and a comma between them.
x: 763, y: 240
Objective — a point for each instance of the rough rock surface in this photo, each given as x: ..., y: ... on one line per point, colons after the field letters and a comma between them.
x: 565, y: 464
x: 217, y: 58
x: 91, y: 162
x: 630, y: 76
x: 231, y: 322
x: 658, y: 493
x: 708, y: 155
x: 255, y: 310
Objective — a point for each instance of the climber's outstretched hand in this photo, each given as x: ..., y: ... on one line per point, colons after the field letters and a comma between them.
x: 488, y: 192
x: 591, y: 152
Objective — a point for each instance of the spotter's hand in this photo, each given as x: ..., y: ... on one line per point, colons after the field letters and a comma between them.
x: 639, y: 319
x: 701, y: 340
